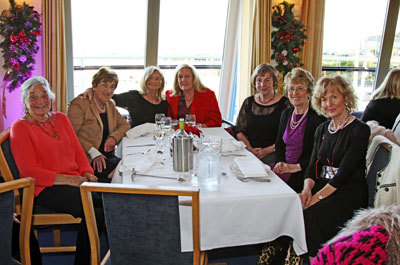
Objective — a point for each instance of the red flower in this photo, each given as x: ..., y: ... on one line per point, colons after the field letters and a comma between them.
x: 16, y: 66
x: 295, y: 49
x: 192, y: 130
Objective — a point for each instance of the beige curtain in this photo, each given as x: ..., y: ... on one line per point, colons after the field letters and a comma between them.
x: 54, y: 50
x: 261, y: 46
x: 312, y: 16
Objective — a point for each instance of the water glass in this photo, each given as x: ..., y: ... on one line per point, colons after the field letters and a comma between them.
x: 208, y: 159
x: 157, y: 119
x: 190, y: 119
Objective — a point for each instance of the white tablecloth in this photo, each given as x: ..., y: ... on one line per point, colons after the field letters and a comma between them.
x: 237, y: 213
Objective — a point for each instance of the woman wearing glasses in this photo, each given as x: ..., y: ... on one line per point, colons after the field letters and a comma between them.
x: 295, y: 138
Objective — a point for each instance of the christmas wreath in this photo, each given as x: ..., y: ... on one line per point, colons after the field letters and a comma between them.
x: 20, y: 26
x: 287, y: 39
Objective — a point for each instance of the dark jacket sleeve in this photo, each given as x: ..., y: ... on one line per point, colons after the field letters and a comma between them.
x: 280, y: 146
x: 311, y: 171
x: 313, y: 121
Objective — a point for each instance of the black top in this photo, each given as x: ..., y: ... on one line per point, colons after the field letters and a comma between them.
x: 312, y: 122
x: 383, y: 110
x: 346, y: 150
x: 260, y: 123
x: 140, y: 110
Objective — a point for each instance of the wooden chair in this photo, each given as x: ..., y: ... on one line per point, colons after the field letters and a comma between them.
x: 142, y: 224
x: 41, y: 216
x: 7, y: 206
x: 379, y: 162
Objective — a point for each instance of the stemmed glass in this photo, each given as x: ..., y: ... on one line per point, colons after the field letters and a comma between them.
x: 157, y: 119
x: 190, y: 119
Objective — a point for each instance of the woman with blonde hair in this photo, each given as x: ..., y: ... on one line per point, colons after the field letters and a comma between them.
x: 335, y: 184
x: 190, y: 96
x: 144, y: 104
x: 385, y: 104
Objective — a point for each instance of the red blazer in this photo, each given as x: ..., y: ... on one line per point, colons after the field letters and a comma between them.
x: 204, y: 106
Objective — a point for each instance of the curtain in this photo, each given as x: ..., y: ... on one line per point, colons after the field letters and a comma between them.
x: 54, y: 51
x: 261, y: 46
x: 230, y: 58
x: 312, y: 16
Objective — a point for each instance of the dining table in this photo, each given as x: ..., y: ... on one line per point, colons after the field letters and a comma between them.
x: 236, y: 213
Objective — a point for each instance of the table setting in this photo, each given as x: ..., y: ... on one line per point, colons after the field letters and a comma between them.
x: 247, y: 203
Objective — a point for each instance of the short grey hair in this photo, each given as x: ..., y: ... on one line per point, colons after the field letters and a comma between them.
x: 34, y: 81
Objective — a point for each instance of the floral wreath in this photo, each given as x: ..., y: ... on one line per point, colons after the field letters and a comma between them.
x: 20, y: 26
x: 287, y: 39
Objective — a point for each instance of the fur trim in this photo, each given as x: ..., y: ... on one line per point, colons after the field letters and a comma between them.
x: 388, y: 217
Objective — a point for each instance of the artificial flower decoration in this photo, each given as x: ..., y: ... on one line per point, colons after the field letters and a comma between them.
x: 20, y: 26
x: 287, y: 39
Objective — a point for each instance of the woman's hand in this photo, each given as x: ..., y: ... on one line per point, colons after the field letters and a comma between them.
x: 109, y: 145
x: 64, y: 179
x: 306, y: 198
x: 283, y: 167
x: 99, y: 163
x: 90, y: 177
x: 263, y: 152
x: 314, y: 200
x: 88, y: 94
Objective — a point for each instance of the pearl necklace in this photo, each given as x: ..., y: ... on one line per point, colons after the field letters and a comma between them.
x: 268, y: 101
x: 294, y: 124
x: 101, y: 109
x: 341, y: 126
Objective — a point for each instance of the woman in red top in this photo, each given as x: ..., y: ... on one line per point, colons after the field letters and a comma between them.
x: 46, y: 148
x: 190, y: 96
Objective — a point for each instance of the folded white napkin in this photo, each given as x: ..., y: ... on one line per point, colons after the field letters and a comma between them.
x: 250, y: 167
x: 140, y: 130
x: 231, y: 145
x: 143, y: 163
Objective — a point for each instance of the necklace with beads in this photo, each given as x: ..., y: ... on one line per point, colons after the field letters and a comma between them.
x: 53, y: 133
x: 268, y: 101
x: 341, y: 126
x: 101, y: 109
x: 294, y: 124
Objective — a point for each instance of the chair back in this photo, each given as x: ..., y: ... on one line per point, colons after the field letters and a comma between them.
x: 6, y: 219
x: 142, y: 224
x: 379, y: 162
x: 8, y: 168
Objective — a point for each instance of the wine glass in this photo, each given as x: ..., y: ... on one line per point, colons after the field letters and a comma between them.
x: 166, y: 124
x: 157, y: 119
x: 190, y: 119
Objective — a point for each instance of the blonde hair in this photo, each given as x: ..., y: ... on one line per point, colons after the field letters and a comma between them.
x: 297, y: 76
x: 390, y: 87
x: 197, y: 84
x: 341, y: 84
x: 147, y: 74
x: 262, y: 69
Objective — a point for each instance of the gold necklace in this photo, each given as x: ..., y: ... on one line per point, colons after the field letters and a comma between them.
x: 53, y: 132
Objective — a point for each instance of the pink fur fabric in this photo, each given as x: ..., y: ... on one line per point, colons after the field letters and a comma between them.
x: 376, y: 129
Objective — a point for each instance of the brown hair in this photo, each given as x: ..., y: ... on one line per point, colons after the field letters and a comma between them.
x: 390, y: 87
x: 262, y: 69
x: 104, y: 73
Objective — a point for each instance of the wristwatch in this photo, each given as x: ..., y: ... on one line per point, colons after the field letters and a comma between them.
x: 320, y: 196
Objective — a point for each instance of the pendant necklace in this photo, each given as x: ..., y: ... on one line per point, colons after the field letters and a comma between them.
x: 294, y: 124
x: 341, y: 126
x: 268, y: 101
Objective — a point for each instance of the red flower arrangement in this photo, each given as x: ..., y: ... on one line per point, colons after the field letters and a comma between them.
x: 192, y: 130
x: 20, y: 26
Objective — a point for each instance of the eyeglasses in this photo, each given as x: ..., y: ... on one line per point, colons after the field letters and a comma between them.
x: 298, y: 89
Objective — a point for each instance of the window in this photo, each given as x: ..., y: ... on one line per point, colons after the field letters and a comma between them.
x: 114, y: 34
x: 395, y: 60
x: 352, y: 40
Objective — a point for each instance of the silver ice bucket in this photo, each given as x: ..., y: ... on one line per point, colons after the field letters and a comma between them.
x: 182, y: 152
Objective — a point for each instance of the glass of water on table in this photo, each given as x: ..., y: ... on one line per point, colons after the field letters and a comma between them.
x: 190, y: 119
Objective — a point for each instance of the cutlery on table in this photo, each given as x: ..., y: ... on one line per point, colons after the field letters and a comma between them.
x: 140, y: 145
x: 134, y: 174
